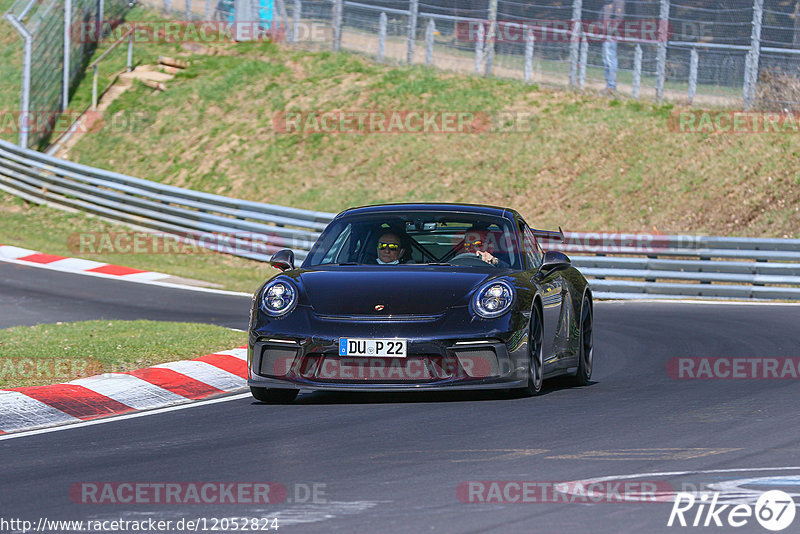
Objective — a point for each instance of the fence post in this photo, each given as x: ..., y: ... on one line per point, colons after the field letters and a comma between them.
x: 283, y: 18
x: 100, y: 18
x: 693, y: 60
x: 337, y: 25
x: 637, y: 71
x: 242, y: 21
x: 130, y: 52
x: 94, y: 89
x: 298, y: 10
x: 489, y: 42
x: 67, y: 40
x: 479, y: 48
x: 413, y: 9
x: 528, y: 32
x: 187, y: 10
x: 574, y: 41
x: 208, y: 10
x: 25, y: 92
x: 429, y: 32
x: 381, y: 35
x: 661, y: 56
x: 584, y: 58
x: 168, y: 6
x: 751, y: 66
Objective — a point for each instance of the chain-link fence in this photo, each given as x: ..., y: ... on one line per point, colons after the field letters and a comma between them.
x: 711, y: 52
x: 56, y: 49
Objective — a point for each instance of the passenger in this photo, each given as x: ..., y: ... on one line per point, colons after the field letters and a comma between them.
x: 479, y: 242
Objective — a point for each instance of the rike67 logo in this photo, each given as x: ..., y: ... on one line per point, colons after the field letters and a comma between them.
x: 774, y: 510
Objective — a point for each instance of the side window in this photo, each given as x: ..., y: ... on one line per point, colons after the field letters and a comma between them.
x: 530, y: 247
x: 338, y: 246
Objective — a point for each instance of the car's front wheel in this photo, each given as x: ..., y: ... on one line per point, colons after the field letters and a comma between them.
x: 535, y: 356
x: 274, y: 396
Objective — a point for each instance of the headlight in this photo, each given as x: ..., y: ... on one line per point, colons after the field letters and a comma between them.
x: 278, y: 298
x: 493, y: 299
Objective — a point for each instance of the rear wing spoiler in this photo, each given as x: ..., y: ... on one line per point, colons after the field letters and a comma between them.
x: 549, y: 234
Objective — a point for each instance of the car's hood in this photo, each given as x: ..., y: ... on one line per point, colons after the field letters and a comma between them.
x: 400, y: 290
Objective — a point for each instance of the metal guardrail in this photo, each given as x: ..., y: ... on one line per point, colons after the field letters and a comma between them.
x: 618, y: 265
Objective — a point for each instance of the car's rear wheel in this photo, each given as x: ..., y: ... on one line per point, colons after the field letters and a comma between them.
x: 586, y: 349
x: 535, y: 356
x: 275, y: 396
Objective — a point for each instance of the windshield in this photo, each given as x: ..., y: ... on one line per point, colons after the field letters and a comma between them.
x: 466, y: 239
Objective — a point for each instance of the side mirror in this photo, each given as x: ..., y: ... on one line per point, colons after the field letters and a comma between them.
x: 554, y: 260
x: 283, y: 260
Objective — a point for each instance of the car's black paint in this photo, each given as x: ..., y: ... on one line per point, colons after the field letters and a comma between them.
x: 429, y: 306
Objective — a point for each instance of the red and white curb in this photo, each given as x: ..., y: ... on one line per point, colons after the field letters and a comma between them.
x: 75, y: 265
x: 30, y: 408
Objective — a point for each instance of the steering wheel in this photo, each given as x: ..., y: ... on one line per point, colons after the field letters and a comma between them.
x: 469, y: 259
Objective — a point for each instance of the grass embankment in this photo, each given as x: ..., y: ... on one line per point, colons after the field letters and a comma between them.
x: 591, y: 163
x: 48, y: 230
x: 66, y: 351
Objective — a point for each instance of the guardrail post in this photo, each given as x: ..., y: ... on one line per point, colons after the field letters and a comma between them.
x: 491, y: 38
x: 661, y: 56
x: 208, y: 10
x: 529, y: 38
x: 429, y: 32
x: 479, y: 48
x: 753, y: 56
x: 413, y: 10
x: 574, y: 41
x: 382, y: 23
x: 584, y: 59
x: 67, y: 43
x: 637, y: 71
x: 693, y: 60
x: 337, y: 25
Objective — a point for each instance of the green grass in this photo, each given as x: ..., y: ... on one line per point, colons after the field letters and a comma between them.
x: 56, y: 232
x: 590, y: 164
x: 60, y: 352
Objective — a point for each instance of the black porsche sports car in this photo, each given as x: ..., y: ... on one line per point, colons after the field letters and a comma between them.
x: 410, y: 297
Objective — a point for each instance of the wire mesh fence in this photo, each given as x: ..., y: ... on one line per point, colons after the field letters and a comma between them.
x: 58, y: 38
x: 732, y: 53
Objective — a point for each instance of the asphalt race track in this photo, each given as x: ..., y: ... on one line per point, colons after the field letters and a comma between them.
x: 31, y: 295
x: 404, y: 463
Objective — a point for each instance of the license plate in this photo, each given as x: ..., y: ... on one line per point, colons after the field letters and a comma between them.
x: 386, y: 348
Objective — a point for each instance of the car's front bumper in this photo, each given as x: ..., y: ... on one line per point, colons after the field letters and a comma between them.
x: 500, y: 361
